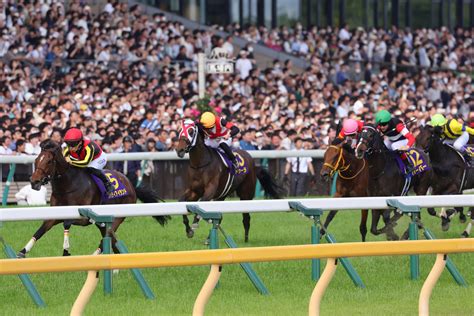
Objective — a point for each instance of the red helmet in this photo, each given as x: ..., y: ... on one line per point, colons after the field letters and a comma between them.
x: 73, y: 136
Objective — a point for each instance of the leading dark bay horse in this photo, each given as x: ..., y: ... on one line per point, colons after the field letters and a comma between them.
x: 74, y: 186
x: 210, y: 179
x: 451, y: 174
x: 385, y: 176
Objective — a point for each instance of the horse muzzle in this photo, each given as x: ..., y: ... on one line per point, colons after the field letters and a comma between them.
x: 35, y: 185
x: 181, y: 153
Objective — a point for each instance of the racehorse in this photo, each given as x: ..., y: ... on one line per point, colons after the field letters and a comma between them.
x: 451, y: 174
x: 74, y: 186
x: 352, y: 180
x: 385, y: 176
x: 210, y: 179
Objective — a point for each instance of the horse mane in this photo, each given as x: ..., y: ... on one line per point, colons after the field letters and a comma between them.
x: 49, y: 145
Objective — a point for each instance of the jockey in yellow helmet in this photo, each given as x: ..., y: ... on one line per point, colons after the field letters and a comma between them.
x: 216, y: 128
x: 454, y: 133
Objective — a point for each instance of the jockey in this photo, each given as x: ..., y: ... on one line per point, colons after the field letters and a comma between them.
x: 351, y: 129
x: 216, y: 128
x: 454, y: 133
x: 397, y: 135
x: 84, y: 153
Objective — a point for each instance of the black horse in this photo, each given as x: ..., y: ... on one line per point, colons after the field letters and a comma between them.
x: 74, y: 186
x: 209, y: 179
x: 451, y: 173
x: 385, y: 177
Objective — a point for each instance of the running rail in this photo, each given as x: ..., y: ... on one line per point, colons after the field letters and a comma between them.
x: 224, y: 207
x: 260, y: 254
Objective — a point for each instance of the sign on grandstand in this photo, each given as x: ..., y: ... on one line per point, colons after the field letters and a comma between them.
x: 219, y: 62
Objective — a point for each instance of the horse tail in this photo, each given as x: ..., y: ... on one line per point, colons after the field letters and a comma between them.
x: 147, y: 195
x: 269, y: 184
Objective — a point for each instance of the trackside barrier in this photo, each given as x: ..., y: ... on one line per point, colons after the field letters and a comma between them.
x: 260, y: 254
x: 315, y: 215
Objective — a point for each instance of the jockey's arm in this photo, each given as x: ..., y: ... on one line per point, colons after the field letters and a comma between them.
x: 470, y: 130
x: 401, y: 128
x: 234, y: 130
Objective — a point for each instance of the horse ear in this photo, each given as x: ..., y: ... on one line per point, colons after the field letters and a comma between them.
x: 336, y: 141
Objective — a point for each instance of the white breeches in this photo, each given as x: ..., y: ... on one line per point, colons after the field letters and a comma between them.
x: 214, y: 142
x: 395, y: 145
x: 460, y: 142
x: 100, y: 162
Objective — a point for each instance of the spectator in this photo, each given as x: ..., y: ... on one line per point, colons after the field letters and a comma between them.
x: 246, y: 142
x: 299, y: 167
x: 129, y: 168
x: 28, y: 196
x: 5, y: 149
x: 33, y: 145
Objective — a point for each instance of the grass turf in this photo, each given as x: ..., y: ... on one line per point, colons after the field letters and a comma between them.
x: 389, y: 290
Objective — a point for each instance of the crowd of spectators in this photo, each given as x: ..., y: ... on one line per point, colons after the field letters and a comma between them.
x: 426, y: 48
x: 123, y: 75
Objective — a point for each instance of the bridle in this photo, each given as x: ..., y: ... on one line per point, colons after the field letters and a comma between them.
x: 340, y: 165
x: 47, y: 177
x: 184, y: 134
x: 363, y: 139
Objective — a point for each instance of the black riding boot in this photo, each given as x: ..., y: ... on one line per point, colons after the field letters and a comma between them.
x: 229, y: 154
x: 409, y: 166
x: 108, y: 186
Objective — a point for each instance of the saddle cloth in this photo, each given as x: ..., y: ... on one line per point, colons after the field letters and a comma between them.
x: 416, y: 159
x: 242, y: 164
x: 119, y: 188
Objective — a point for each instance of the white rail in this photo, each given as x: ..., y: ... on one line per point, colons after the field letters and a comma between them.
x: 255, y: 206
x: 171, y: 155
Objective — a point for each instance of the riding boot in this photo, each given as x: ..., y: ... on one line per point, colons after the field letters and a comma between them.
x: 409, y: 166
x: 108, y: 186
x: 229, y: 154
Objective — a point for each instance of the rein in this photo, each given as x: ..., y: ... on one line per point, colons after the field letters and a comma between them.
x: 343, y: 167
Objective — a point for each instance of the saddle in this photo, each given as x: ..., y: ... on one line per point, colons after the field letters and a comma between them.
x: 468, y: 155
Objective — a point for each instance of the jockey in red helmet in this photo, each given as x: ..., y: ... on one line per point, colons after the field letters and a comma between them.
x: 84, y: 153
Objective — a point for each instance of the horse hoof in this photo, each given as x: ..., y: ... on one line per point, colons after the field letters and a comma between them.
x: 21, y: 255
x: 66, y: 253
x: 190, y: 233
x: 405, y: 236
x: 115, y: 271
x: 207, y: 242
x: 462, y: 218
x: 464, y: 234
x: 444, y: 224
x: 246, y: 239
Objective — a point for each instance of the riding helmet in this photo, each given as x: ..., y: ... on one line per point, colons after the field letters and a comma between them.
x: 208, y: 120
x: 383, y: 116
x: 438, y: 120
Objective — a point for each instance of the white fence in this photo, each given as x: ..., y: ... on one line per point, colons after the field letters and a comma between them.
x: 171, y: 155
x: 179, y: 208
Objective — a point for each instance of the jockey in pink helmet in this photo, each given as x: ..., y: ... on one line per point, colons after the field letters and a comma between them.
x: 351, y: 128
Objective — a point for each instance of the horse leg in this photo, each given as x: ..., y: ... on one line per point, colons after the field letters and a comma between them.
x: 246, y: 192
x: 188, y: 196
x: 462, y: 217
x: 390, y: 223
x: 246, y: 223
x: 363, y: 223
x: 467, y: 231
x: 327, y: 221
x: 375, y: 221
x: 67, y: 225
x: 44, y: 228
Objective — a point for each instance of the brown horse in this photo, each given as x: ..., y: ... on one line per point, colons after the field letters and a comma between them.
x: 352, y: 180
x: 74, y: 186
x: 210, y: 179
